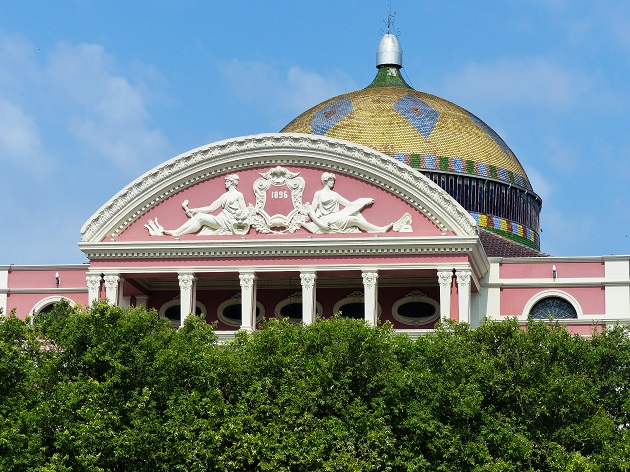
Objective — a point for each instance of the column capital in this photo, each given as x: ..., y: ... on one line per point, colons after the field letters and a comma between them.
x: 445, y: 277
x: 186, y: 281
x: 463, y: 277
x: 308, y: 279
x: 247, y: 279
x: 111, y: 282
x: 369, y: 278
x: 93, y: 281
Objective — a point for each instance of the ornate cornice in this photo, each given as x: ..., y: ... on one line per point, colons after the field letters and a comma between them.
x: 268, y: 150
x: 246, y: 249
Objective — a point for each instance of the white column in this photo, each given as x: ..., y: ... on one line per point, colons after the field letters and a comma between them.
x: 112, y: 284
x: 187, y: 295
x: 463, y: 294
x: 617, y: 287
x: 248, y: 300
x: 4, y: 289
x: 445, y: 278
x: 309, y: 307
x: 94, y: 287
x: 370, y: 296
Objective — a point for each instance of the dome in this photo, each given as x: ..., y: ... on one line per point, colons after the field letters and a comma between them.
x: 418, y: 128
x: 447, y: 143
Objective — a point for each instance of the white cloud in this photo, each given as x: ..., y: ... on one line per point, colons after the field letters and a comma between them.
x: 109, y: 114
x: 17, y: 64
x: 534, y: 81
x: 84, y: 98
x: 292, y: 91
x: 20, y: 140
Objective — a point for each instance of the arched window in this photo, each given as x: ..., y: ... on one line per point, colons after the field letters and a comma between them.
x: 416, y: 309
x: 556, y: 308
x: 558, y: 304
x: 45, y: 305
x: 172, y: 311
x: 230, y: 312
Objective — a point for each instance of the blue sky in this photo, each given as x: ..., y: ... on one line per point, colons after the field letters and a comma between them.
x: 93, y: 94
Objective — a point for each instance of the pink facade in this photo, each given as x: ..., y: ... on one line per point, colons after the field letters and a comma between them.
x: 590, y: 299
x: 409, y: 254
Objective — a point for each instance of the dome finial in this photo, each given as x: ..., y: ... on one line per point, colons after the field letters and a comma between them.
x: 389, y: 52
x: 389, y: 17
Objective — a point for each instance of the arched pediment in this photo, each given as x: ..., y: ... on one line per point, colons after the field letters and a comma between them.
x: 268, y: 151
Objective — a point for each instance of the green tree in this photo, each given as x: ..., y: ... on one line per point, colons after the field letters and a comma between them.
x: 107, y: 388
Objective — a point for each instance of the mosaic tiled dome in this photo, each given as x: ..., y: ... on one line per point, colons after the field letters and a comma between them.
x: 445, y: 142
x: 420, y: 129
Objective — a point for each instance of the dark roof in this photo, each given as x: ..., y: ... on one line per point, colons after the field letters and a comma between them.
x: 500, y: 246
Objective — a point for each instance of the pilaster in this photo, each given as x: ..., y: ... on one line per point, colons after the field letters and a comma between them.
x: 112, y: 288
x: 617, y: 287
x: 4, y: 289
x: 188, y: 295
x: 445, y: 279
x: 370, y: 298
x: 94, y: 287
x: 248, y: 300
x: 308, y: 296
x: 463, y: 292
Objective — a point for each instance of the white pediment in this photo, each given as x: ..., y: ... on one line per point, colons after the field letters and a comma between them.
x: 270, y: 151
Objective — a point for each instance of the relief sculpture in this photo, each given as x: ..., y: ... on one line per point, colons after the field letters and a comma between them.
x: 327, y: 216
x: 232, y: 219
x: 329, y: 212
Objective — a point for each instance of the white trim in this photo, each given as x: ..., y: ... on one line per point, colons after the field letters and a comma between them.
x: 4, y: 289
x: 44, y: 302
x: 418, y: 297
x: 269, y: 150
x: 236, y: 300
x: 551, y: 293
x: 177, y: 302
x: 246, y: 249
x: 51, y: 267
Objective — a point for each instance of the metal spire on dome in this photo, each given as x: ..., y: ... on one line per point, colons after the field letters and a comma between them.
x: 389, y: 52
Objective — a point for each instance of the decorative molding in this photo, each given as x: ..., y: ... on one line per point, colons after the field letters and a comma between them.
x: 175, y: 323
x: 294, y: 298
x: 355, y: 297
x: 309, y: 247
x: 40, y: 305
x: 547, y: 294
x: 416, y: 296
x: 286, y: 149
x: 237, y: 300
x: 278, y: 176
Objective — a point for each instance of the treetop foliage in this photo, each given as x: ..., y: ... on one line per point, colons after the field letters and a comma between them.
x: 107, y: 388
